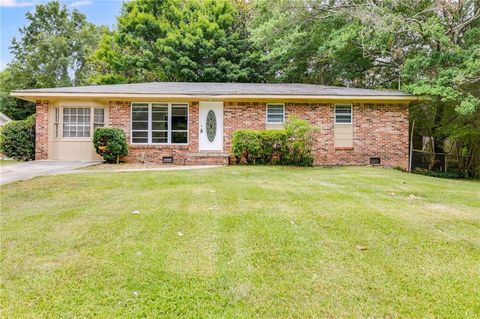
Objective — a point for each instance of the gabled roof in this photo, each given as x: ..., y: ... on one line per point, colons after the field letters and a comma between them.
x: 212, y: 90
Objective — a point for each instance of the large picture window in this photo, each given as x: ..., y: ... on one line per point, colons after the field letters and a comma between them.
x: 159, y: 123
x: 78, y: 121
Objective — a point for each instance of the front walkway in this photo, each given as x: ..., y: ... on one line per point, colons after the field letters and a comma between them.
x: 27, y: 170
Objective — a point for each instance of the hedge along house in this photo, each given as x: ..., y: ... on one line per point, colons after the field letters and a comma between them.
x: 193, y: 123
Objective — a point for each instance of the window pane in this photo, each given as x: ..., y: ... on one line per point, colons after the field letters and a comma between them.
x: 139, y: 134
x: 99, y: 116
x: 275, y: 110
x: 160, y: 116
x: 179, y: 110
x: 156, y: 126
x: 140, y: 112
x: 151, y: 123
x: 275, y: 113
x: 139, y: 122
x: 343, y: 114
x: 159, y: 137
x: 76, y: 122
x: 139, y: 140
x: 179, y: 137
x: 179, y: 117
x: 139, y: 137
x: 139, y: 125
x: 159, y: 112
x: 275, y: 118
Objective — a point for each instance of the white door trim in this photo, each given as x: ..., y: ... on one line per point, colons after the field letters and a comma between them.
x: 204, y: 144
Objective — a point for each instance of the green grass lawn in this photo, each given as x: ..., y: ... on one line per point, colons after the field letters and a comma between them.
x: 241, y: 242
x: 4, y: 162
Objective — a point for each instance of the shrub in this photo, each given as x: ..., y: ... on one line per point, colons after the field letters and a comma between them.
x: 301, y: 140
x: 110, y: 143
x: 17, y: 139
x: 274, y: 146
x: 291, y: 146
x: 246, y: 146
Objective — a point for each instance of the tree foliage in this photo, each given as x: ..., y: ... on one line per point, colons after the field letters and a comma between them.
x: 430, y: 48
x: 53, y: 47
x: 52, y: 50
x: 177, y: 40
x: 13, y: 107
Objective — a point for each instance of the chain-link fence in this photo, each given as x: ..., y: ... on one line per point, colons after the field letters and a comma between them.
x: 437, y: 162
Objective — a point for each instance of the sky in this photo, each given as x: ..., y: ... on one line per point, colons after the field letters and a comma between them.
x: 12, y: 17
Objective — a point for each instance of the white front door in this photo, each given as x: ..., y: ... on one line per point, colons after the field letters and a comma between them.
x: 210, y: 126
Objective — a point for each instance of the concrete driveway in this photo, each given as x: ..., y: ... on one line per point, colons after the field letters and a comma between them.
x: 16, y: 172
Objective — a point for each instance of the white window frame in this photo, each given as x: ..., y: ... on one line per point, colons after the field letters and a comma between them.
x: 266, y: 113
x: 57, y: 123
x: 335, y: 114
x: 169, y: 130
x: 61, y: 109
x: 90, y: 131
x: 99, y: 124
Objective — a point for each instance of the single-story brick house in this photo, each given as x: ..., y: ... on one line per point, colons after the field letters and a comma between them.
x: 193, y: 123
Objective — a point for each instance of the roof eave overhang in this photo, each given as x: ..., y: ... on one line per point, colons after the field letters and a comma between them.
x: 34, y: 96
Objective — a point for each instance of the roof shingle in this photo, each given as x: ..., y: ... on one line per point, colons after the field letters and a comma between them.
x: 211, y: 88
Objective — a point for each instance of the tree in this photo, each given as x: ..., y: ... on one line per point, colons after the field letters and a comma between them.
x: 176, y: 40
x: 53, y: 48
x: 16, y: 109
x: 52, y: 51
x: 310, y: 41
x: 429, y: 48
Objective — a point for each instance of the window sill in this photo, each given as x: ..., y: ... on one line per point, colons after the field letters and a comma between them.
x: 73, y: 139
x: 343, y: 148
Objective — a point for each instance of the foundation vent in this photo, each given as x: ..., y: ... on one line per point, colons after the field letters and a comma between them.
x: 167, y: 160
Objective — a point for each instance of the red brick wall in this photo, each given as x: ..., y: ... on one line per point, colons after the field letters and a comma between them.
x: 242, y: 115
x: 41, y: 130
x: 119, y: 116
x: 379, y: 130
